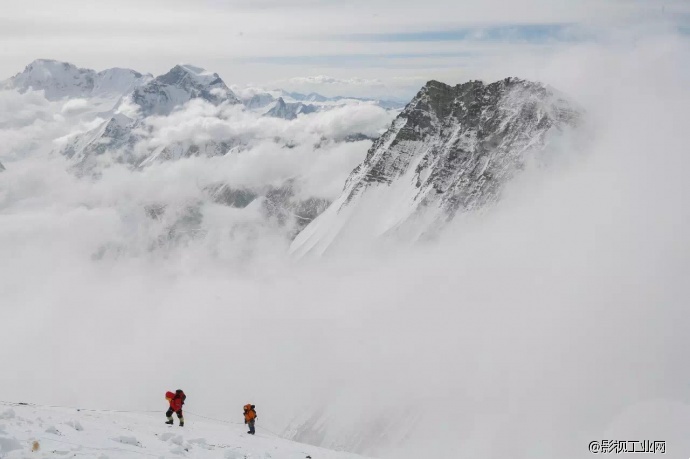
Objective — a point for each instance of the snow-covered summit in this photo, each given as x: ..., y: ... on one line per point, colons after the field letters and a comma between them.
x: 177, y: 87
x: 119, y: 81
x: 159, y: 97
x: 62, y: 79
x: 45, y: 432
x: 450, y: 150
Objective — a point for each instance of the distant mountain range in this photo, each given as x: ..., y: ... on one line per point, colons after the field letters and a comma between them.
x: 450, y: 150
x: 289, y: 111
x: 129, y: 98
x: 126, y: 101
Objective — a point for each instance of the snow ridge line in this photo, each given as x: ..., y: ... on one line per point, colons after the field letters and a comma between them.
x: 6, y: 403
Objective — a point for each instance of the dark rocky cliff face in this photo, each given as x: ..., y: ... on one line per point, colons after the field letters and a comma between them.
x: 464, y: 140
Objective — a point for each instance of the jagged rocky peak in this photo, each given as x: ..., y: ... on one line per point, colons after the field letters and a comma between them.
x: 191, y: 76
x: 450, y: 150
x: 280, y: 110
x: 2, y: 168
x: 475, y: 103
x: 468, y: 122
x: 180, y: 85
x: 289, y: 111
x: 158, y: 97
x: 62, y: 79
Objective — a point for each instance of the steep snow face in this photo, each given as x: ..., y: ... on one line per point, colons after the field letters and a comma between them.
x: 177, y: 87
x: 289, y: 111
x: 43, y: 432
x: 450, y: 150
x: 118, y: 81
x: 62, y: 79
x: 117, y: 135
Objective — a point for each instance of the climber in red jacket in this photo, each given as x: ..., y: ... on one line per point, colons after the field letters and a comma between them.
x: 176, y: 401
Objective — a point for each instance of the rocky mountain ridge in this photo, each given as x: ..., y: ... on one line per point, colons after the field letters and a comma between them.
x: 451, y: 150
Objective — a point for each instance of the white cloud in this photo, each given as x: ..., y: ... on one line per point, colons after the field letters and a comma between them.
x: 75, y: 106
x: 265, y: 160
x: 29, y: 122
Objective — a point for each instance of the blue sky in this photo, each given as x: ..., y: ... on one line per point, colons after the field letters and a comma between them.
x: 530, y: 33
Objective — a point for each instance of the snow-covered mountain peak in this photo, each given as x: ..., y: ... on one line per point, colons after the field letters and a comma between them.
x: 450, y: 150
x: 62, y: 79
x: 178, y: 86
x: 57, y: 79
x: 289, y: 111
x: 50, y: 66
x: 315, y: 97
x: 119, y: 81
x: 178, y: 74
x: 201, y: 75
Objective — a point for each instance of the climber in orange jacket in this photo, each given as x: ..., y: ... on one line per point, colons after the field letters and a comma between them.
x: 176, y: 401
x: 250, y: 417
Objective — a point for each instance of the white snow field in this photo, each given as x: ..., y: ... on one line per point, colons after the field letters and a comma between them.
x: 35, y: 431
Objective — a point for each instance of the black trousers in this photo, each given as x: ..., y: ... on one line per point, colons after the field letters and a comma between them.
x: 170, y: 412
x: 251, y: 427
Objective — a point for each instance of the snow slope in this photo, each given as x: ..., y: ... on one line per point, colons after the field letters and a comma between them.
x: 67, y: 432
